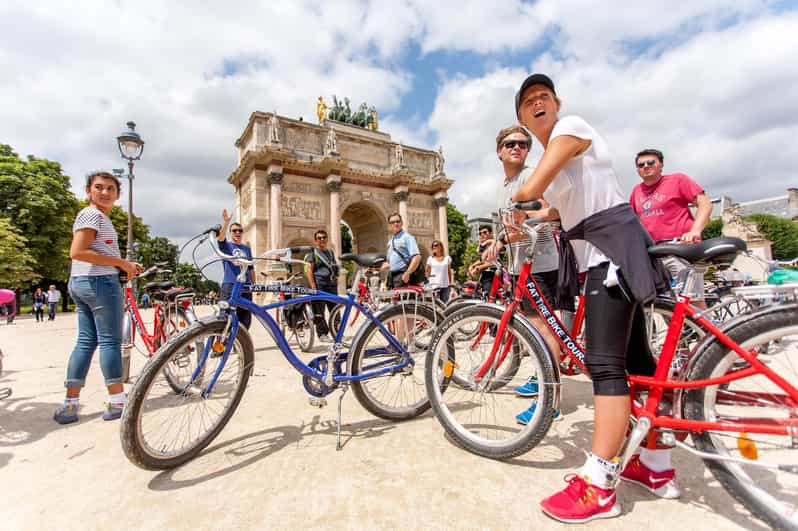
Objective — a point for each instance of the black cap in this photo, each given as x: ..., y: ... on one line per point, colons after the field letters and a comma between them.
x: 534, y: 79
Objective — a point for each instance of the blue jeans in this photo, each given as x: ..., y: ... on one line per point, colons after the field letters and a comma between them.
x: 100, y: 303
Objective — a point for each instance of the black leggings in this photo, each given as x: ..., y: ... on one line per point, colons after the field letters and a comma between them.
x: 615, y: 330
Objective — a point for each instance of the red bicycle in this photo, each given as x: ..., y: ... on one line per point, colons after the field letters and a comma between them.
x: 736, y: 397
x: 172, y: 312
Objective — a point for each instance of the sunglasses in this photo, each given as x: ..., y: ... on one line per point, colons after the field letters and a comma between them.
x: 510, y: 144
x: 645, y: 163
x: 237, y: 231
x: 395, y: 222
x: 434, y: 245
x: 321, y: 237
x: 484, y: 232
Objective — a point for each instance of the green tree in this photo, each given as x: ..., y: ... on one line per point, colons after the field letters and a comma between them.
x: 16, y: 263
x: 458, y: 235
x: 782, y: 233
x: 346, y: 239
x: 187, y: 276
x: 469, y: 257
x: 159, y: 250
x: 35, y: 197
x: 714, y: 229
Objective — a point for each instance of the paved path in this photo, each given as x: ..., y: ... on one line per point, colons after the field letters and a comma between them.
x: 275, y: 464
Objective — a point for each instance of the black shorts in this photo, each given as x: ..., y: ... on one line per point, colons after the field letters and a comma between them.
x: 547, y: 285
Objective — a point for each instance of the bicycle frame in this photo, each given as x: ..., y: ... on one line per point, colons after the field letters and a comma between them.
x: 307, y: 295
x: 527, y: 287
x: 136, y: 323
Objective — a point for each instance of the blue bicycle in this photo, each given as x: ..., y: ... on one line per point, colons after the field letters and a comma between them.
x: 163, y: 428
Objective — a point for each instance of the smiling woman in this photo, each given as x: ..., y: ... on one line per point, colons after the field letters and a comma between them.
x: 94, y: 286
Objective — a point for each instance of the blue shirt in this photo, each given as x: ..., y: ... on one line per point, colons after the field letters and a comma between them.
x: 401, y: 245
x: 231, y: 270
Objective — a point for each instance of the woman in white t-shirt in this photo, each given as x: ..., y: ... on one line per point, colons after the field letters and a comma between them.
x: 94, y: 286
x: 575, y: 175
x: 439, y: 270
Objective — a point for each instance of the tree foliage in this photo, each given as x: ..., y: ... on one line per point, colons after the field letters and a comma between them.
x: 469, y: 257
x: 346, y: 239
x: 458, y: 235
x: 782, y: 233
x: 159, y: 250
x: 35, y: 197
x: 714, y: 229
x: 16, y: 263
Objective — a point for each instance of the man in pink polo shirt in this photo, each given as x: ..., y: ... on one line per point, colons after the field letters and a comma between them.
x: 662, y: 202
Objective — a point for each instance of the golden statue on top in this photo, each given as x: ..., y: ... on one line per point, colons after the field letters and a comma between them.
x: 321, y: 110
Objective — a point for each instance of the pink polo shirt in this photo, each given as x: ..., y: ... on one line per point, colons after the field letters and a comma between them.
x: 663, y: 207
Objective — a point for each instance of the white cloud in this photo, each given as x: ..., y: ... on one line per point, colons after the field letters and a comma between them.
x: 715, y: 90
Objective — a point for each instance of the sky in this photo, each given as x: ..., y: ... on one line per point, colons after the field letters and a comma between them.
x: 713, y: 84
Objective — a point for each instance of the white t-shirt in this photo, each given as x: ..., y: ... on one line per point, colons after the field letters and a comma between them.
x: 587, y: 184
x: 438, y: 272
x: 105, y: 242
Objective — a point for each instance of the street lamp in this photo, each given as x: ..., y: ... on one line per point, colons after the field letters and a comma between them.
x: 131, y: 146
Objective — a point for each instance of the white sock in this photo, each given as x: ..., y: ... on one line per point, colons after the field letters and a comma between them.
x: 600, y: 472
x: 118, y: 398
x: 656, y: 460
x: 74, y: 401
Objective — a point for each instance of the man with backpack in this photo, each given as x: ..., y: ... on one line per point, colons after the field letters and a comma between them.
x: 404, y: 258
x: 322, y: 274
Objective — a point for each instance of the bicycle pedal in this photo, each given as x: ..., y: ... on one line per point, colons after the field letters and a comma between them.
x: 318, y: 402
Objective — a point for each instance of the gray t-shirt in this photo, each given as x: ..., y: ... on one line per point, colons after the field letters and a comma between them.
x: 546, y: 256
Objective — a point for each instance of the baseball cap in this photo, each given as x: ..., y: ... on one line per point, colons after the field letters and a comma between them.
x: 534, y: 79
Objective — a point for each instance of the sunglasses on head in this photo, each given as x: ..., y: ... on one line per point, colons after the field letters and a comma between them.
x: 645, y: 163
x: 510, y: 144
x: 237, y: 231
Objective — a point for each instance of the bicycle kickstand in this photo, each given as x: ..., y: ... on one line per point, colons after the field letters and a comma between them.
x: 338, y: 434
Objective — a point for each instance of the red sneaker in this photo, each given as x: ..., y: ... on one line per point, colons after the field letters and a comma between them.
x: 662, y: 484
x: 581, y: 502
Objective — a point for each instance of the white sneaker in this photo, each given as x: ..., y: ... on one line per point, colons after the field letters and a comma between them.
x: 324, y: 339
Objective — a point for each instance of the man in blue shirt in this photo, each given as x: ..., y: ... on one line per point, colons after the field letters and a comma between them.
x: 404, y: 257
x: 231, y: 271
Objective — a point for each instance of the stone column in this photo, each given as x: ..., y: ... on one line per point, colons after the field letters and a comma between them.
x: 334, y: 187
x: 401, y: 195
x: 440, y: 201
x: 274, y: 176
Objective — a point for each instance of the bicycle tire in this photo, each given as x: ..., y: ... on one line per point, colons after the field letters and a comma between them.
x: 469, y: 435
x: 764, y: 498
x: 304, y: 332
x: 334, y: 321
x: 365, y: 390
x: 658, y: 318
x: 132, y: 434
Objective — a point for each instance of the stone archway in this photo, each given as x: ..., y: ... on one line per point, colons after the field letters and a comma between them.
x: 368, y: 225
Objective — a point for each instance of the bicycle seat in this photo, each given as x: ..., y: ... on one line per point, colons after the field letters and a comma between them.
x: 158, y: 285
x: 364, y: 260
x: 714, y: 250
x: 171, y: 294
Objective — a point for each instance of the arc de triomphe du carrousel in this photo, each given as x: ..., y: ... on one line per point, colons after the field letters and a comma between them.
x: 294, y: 177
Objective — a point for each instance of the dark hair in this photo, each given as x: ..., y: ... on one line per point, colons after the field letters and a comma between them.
x: 105, y: 175
x: 657, y: 153
x: 485, y: 227
x: 236, y: 224
x: 395, y: 215
x: 320, y: 231
x: 507, y: 131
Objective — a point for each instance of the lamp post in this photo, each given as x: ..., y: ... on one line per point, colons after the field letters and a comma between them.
x: 131, y: 146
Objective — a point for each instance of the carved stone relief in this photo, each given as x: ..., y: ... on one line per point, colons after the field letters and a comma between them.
x: 297, y: 207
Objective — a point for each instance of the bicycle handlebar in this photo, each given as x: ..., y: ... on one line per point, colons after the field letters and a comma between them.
x: 283, y: 255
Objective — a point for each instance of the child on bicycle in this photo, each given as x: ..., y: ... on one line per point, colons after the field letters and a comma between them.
x: 575, y: 175
x: 94, y: 286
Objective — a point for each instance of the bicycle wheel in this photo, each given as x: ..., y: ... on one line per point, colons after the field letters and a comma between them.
x: 398, y: 394
x: 334, y: 321
x: 179, y: 370
x: 481, y: 417
x: 162, y: 429
x: 770, y: 494
x: 471, y: 331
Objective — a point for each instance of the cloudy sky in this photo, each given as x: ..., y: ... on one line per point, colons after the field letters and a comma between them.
x: 710, y: 83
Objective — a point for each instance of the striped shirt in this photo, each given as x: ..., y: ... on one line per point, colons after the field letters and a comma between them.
x: 105, y: 242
